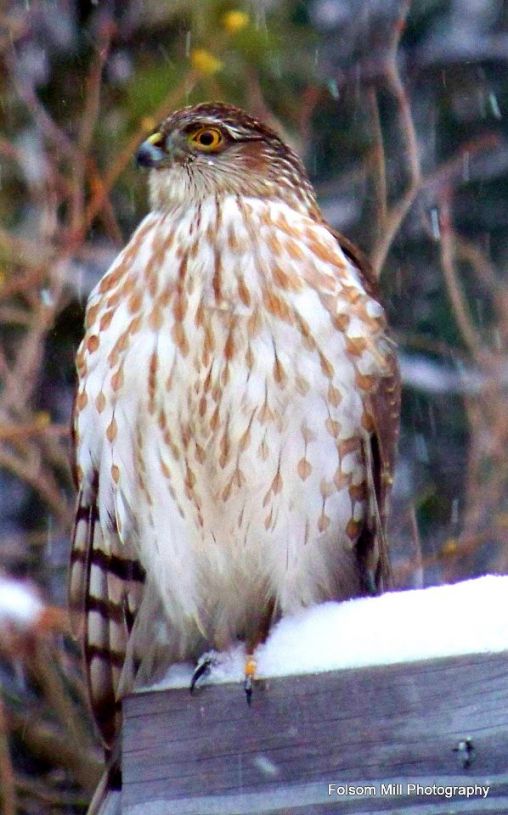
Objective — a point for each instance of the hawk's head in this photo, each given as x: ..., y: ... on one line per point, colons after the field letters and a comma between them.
x: 216, y: 149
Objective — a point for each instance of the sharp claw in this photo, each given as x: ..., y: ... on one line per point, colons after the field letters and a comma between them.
x: 370, y: 583
x: 202, y: 669
x: 250, y: 673
x: 247, y: 686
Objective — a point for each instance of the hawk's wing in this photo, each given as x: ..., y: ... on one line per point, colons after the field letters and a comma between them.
x: 379, y: 447
x: 105, y: 590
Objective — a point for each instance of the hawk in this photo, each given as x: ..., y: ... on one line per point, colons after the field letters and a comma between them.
x: 236, y: 413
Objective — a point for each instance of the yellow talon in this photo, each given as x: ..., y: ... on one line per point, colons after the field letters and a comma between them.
x: 250, y: 672
x: 250, y: 667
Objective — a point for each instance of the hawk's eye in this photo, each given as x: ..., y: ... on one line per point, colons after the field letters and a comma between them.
x: 207, y: 139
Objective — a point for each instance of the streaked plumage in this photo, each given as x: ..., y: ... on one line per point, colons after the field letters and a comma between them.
x: 236, y: 414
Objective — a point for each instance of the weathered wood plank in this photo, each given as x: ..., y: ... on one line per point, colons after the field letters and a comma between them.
x: 212, y: 753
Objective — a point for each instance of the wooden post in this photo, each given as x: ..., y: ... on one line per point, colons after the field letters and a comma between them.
x: 440, y: 723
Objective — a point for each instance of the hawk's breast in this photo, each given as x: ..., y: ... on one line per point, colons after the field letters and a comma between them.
x: 224, y: 381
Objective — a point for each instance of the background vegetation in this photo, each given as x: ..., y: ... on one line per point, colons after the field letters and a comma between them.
x: 398, y: 109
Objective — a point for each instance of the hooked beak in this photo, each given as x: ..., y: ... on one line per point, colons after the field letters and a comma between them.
x: 150, y: 154
x: 159, y: 151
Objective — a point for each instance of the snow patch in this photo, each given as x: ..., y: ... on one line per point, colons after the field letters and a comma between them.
x: 20, y: 608
x: 465, y: 618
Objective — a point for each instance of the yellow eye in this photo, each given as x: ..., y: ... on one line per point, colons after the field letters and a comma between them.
x: 207, y: 139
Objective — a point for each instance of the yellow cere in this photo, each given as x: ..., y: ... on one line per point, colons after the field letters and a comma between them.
x: 155, y: 138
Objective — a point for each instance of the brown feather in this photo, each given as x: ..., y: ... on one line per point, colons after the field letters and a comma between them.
x: 103, y: 609
x: 380, y: 447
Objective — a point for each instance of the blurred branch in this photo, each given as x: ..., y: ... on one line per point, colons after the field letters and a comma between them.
x: 45, y: 123
x: 7, y: 790
x: 390, y: 224
x: 32, y: 794
x: 125, y: 155
x: 490, y: 282
x: 415, y: 555
x: 31, y: 348
x: 309, y: 101
x: 11, y: 432
x: 88, y: 122
x: 483, y: 268
x: 377, y: 161
x: 459, y: 304
x: 106, y: 213
x: 49, y: 744
x: 22, y: 251
x: 15, y: 26
x: 447, y: 555
x: 44, y: 668
x: 27, y: 467
x: 447, y: 174
x: 10, y: 151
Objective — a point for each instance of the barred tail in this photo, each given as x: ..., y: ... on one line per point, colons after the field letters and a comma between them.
x: 104, y: 595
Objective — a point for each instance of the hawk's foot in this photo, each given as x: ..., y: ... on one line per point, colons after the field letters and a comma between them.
x: 250, y: 675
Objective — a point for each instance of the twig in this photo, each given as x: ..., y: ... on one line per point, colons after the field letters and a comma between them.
x: 44, y: 668
x: 393, y: 82
x: 309, y: 101
x: 48, y: 743
x: 31, y: 348
x: 28, y: 470
x: 378, y: 162
x: 460, y: 308
x: 11, y: 432
x: 106, y: 213
x: 495, y: 288
x: 126, y: 153
x: 416, y: 554
x: 44, y: 121
x: 441, y: 179
x: 28, y: 787
x: 481, y: 265
x: 88, y: 121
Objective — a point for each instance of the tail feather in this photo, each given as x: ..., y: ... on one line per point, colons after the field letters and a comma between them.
x: 106, y: 801
x: 106, y: 583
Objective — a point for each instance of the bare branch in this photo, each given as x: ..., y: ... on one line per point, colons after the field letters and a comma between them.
x: 378, y: 162
x: 460, y: 308
x: 394, y: 85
